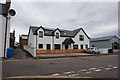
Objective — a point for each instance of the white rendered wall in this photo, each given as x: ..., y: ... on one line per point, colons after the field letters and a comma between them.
x: 77, y: 41
x: 32, y: 39
x: 2, y: 35
x: 44, y: 40
x: 53, y: 40
x: 59, y: 40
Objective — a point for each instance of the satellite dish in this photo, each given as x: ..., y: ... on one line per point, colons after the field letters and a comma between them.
x: 12, y: 12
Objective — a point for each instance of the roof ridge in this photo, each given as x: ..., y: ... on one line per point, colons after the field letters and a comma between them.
x: 103, y: 37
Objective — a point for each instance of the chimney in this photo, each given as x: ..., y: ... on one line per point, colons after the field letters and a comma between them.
x: 8, y: 2
x: 14, y: 32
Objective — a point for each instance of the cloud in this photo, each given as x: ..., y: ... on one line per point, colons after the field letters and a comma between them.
x: 97, y: 18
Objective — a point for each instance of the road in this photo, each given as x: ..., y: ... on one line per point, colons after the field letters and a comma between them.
x: 93, y: 66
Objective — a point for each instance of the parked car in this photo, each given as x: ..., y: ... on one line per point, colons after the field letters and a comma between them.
x: 92, y: 50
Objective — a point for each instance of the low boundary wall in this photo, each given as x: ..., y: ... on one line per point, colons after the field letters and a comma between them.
x: 31, y: 50
x: 58, y: 51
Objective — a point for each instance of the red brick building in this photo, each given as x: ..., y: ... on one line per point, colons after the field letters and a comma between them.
x: 23, y: 40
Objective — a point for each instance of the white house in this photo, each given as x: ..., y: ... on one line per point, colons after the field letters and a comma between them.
x: 48, y: 38
x: 4, y: 28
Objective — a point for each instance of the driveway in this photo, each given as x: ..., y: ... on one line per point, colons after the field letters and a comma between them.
x: 20, y: 54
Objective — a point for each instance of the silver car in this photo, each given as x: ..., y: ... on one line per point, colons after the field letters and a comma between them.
x: 92, y: 50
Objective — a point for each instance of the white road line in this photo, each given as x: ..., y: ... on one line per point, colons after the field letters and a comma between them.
x: 108, y: 68
x: 88, y: 72
x: 74, y: 75
x: 97, y: 70
x: 55, y: 74
x: 114, y: 67
x: 69, y: 72
x: 110, y: 65
x: 84, y: 70
x: 92, y: 68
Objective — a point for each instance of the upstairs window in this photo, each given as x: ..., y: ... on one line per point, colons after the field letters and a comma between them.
x: 81, y: 37
x: 57, y: 35
x: 40, y: 34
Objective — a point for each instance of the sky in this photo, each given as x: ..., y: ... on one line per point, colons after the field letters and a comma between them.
x: 98, y: 19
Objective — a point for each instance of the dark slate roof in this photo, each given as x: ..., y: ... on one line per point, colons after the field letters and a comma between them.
x: 50, y: 31
x: 102, y: 38
x: 68, y: 41
x: 3, y: 9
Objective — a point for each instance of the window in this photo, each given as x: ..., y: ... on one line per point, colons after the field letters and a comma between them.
x: 86, y: 46
x: 81, y: 46
x: 40, y: 34
x: 48, y: 46
x: 57, y: 46
x: 81, y: 37
x: 75, y: 46
x: 40, y: 46
x: 57, y: 35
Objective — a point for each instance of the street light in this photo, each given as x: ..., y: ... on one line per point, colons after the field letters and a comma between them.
x: 11, y: 12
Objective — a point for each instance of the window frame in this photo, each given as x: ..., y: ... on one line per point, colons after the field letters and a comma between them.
x: 57, y: 45
x: 75, y: 47
x: 81, y: 37
x: 86, y: 46
x: 39, y: 46
x: 41, y: 36
x: 81, y: 46
x: 57, y: 37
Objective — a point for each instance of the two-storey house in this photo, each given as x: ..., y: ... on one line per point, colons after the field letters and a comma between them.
x: 49, y: 38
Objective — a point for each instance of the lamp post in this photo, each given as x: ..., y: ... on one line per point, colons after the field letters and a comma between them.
x: 11, y: 12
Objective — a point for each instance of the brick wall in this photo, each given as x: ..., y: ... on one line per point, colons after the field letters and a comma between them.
x: 22, y: 42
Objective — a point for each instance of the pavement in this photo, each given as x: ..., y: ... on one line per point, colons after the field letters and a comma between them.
x: 20, y: 54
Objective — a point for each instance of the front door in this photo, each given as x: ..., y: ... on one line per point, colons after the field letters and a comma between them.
x: 66, y: 46
x: 48, y: 46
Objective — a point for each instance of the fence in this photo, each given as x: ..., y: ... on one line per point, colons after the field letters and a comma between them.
x: 31, y: 50
x: 58, y: 51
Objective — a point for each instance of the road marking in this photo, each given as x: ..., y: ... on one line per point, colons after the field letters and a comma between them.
x: 88, y: 72
x: 55, y: 74
x: 92, y: 68
x: 69, y: 72
x: 114, y: 67
x: 108, y: 68
x: 97, y: 70
x: 84, y: 70
x: 19, y: 77
x: 12, y: 60
x: 74, y: 75
x: 110, y: 65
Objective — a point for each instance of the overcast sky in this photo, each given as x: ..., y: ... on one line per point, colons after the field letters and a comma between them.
x: 96, y: 18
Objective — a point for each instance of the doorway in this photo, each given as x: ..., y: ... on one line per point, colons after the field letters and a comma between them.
x: 66, y: 46
x: 48, y: 46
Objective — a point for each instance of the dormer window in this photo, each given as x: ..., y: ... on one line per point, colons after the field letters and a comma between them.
x: 57, y: 35
x: 41, y: 34
x: 81, y: 37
